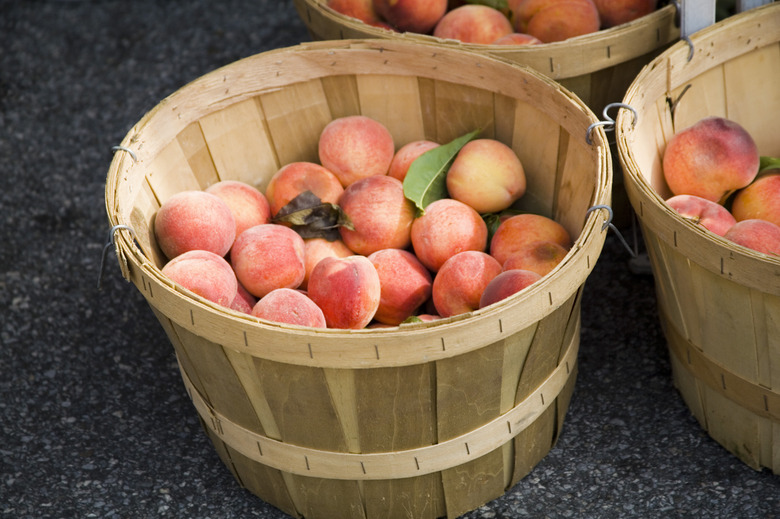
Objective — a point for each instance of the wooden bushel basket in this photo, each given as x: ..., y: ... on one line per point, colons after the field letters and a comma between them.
x: 419, y: 420
x: 719, y: 303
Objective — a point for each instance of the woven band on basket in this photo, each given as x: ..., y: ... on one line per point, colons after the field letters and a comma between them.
x: 389, y: 465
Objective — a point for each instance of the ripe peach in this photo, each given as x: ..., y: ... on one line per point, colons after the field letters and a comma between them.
x: 517, y: 231
x: 380, y: 213
x: 618, y: 12
x: 518, y: 38
x: 286, y: 305
x: 759, y: 235
x: 460, y: 282
x: 405, y: 283
x: 355, y: 147
x: 486, y: 175
x: 248, y: 204
x: 710, y: 215
x: 446, y: 228
x: 268, y: 256
x: 710, y: 159
x: 506, y: 284
x: 347, y: 290
x: 194, y: 220
x: 204, y: 273
x: 296, y: 177
x: 539, y: 256
x: 407, y: 154
x: 473, y: 23
x: 314, y: 249
x: 556, y: 20
x: 411, y: 15
x: 244, y: 301
x: 761, y: 199
x: 362, y: 10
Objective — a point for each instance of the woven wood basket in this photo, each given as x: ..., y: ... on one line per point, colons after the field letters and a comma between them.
x: 420, y: 420
x: 719, y: 303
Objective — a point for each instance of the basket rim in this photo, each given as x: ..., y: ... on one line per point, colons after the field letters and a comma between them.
x: 694, y: 241
x: 333, y: 347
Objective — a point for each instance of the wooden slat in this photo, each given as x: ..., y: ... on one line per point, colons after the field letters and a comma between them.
x: 395, y: 102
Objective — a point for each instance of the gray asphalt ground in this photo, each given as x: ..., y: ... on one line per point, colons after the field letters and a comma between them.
x: 95, y: 418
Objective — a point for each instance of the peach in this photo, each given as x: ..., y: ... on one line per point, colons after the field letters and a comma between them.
x: 460, y: 282
x: 362, y: 10
x: 711, y: 159
x: 355, y: 147
x: 268, y: 256
x: 285, y: 305
x: 516, y: 232
x: 314, y: 249
x: 759, y: 235
x: 407, y: 154
x: 556, y: 20
x: 473, y: 23
x: 618, y: 12
x: 446, y: 228
x: 760, y: 199
x: 296, y: 177
x: 405, y: 284
x: 248, y: 204
x: 411, y: 15
x: 204, y: 273
x: 380, y: 213
x: 347, y: 290
x: 244, y: 301
x: 194, y: 220
x: 486, y: 175
x: 518, y: 38
x: 506, y: 284
x: 538, y: 256
x: 710, y: 215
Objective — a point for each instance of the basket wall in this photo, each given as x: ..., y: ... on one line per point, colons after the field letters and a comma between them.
x: 432, y: 419
x: 719, y: 303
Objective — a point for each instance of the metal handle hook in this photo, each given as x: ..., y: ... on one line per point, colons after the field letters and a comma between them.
x: 111, y: 241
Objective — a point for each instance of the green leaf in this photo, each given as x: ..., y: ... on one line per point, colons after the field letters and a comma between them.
x: 312, y: 218
x: 767, y: 163
x: 426, y: 179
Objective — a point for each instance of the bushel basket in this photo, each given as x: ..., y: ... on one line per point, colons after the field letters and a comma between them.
x: 418, y: 420
x: 719, y: 303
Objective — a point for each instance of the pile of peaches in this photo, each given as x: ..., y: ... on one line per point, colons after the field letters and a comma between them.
x: 496, y: 22
x: 343, y: 244
x: 719, y: 181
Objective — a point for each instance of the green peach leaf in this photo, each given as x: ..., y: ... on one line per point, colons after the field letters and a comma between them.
x: 767, y: 163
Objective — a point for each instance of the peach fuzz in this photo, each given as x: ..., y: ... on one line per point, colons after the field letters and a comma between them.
x: 354, y: 147
x: 516, y: 232
x: 486, y: 175
x: 248, y: 204
x: 405, y: 284
x: 539, y: 256
x: 618, y: 12
x: 314, y: 249
x: 297, y: 177
x: 459, y: 284
x: 411, y: 15
x: 194, y: 220
x: 347, y: 290
x: 759, y: 235
x: 289, y: 306
x: 268, y: 256
x: 244, y: 301
x: 407, y: 154
x: 204, y: 273
x: 518, y: 38
x: 506, y: 284
x: 761, y: 199
x: 711, y: 159
x: 446, y: 228
x: 362, y: 10
x: 473, y: 23
x: 710, y: 215
x: 380, y: 213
